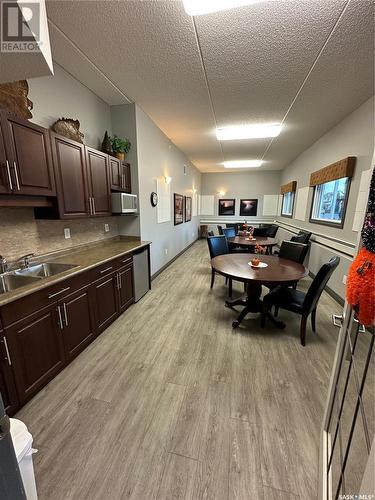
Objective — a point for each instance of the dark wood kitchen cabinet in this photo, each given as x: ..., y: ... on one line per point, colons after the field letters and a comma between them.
x: 71, y: 177
x: 7, y: 385
x: 120, y: 175
x: 127, y: 183
x: 99, y: 182
x: 42, y: 332
x: 126, y: 289
x: 106, y: 301
x: 115, y: 170
x: 28, y: 163
x: 36, y: 347
x: 5, y: 178
x: 76, y: 321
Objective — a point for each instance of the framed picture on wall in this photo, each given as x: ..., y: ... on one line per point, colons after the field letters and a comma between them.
x: 249, y: 207
x: 178, y: 209
x: 188, y: 205
x: 227, y: 207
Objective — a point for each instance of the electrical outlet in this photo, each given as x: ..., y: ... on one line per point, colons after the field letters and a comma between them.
x: 106, y: 228
x: 166, y: 251
x: 344, y: 279
x: 66, y: 233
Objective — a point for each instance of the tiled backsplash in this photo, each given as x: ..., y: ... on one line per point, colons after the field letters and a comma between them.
x: 21, y: 233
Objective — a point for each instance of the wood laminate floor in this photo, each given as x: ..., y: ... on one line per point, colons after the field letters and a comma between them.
x: 171, y: 403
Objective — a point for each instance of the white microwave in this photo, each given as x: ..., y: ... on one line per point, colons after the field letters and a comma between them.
x: 124, y: 203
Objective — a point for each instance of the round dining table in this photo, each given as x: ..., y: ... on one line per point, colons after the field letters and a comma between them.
x: 244, y: 242
x: 276, y: 271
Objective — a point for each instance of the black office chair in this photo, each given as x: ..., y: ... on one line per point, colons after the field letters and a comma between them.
x: 301, y: 237
x: 300, y: 302
x: 293, y: 251
x: 211, y: 233
x: 220, y: 229
x: 218, y: 245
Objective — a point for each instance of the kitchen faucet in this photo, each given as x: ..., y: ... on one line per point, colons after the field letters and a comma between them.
x: 26, y: 259
x: 3, y: 264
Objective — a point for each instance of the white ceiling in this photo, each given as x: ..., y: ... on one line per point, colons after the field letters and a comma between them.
x: 307, y: 62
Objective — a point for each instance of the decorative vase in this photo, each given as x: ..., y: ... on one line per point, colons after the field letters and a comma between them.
x: 106, y: 144
x: 120, y: 156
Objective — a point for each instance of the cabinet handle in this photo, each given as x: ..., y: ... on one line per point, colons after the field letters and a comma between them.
x: 58, y: 293
x: 65, y: 315
x: 126, y: 260
x: 90, y: 205
x: 60, y: 318
x: 7, y: 351
x: 105, y: 270
x: 16, y: 173
x: 93, y: 206
x: 118, y: 281
x: 9, y: 177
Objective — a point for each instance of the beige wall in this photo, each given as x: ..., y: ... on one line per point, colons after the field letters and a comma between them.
x: 62, y: 95
x: 54, y: 97
x: 353, y: 136
x: 157, y: 157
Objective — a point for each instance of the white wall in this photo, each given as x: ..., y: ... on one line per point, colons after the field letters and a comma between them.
x: 353, y: 136
x: 241, y: 185
x: 62, y: 95
x: 157, y: 157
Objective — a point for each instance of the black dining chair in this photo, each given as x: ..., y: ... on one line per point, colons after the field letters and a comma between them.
x: 220, y: 229
x: 301, y: 237
x: 299, y: 302
x: 260, y: 231
x: 272, y: 230
x: 293, y: 251
x: 218, y: 245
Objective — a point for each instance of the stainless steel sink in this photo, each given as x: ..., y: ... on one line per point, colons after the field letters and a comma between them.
x: 11, y: 281
x: 44, y: 270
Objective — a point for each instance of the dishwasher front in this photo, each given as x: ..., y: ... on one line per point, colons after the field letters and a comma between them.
x: 141, y: 269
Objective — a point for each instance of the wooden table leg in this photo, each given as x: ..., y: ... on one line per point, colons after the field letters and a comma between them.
x: 251, y: 304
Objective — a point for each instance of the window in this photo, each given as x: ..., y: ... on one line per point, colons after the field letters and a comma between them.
x: 329, y: 202
x: 288, y: 202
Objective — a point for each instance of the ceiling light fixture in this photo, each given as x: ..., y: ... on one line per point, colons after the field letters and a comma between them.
x: 200, y: 7
x: 248, y: 132
x: 242, y: 164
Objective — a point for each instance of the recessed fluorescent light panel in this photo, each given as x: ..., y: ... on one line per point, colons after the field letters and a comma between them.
x: 200, y: 7
x: 242, y: 164
x: 248, y: 132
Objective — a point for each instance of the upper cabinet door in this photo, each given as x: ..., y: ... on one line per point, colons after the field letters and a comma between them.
x: 5, y: 174
x: 127, y: 182
x: 29, y: 156
x: 115, y: 169
x: 99, y: 183
x: 70, y: 169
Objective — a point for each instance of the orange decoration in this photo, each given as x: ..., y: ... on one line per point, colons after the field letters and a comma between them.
x: 360, y: 292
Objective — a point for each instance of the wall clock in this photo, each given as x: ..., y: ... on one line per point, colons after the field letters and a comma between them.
x: 154, y: 199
